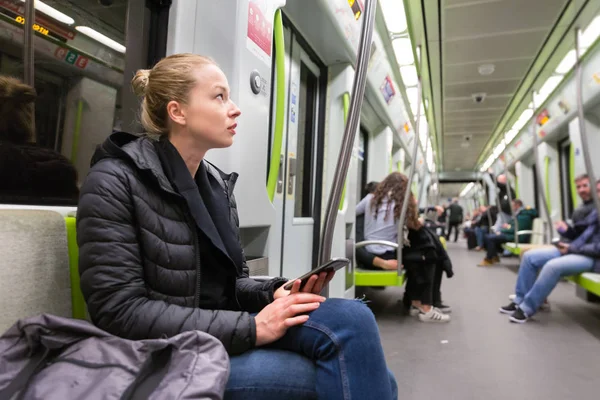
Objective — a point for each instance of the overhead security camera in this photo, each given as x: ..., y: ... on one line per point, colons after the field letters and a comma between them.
x: 478, y: 97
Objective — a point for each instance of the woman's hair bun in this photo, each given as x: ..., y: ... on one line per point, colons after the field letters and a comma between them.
x: 140, y: 81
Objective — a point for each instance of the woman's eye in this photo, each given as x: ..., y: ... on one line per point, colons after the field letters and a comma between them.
x: 220, y: 96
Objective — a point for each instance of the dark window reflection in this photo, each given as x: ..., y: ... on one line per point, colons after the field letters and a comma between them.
x: 48, y: 133
x: 29, y: 172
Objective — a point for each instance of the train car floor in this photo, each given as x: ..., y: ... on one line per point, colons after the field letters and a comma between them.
x: 480, y: 354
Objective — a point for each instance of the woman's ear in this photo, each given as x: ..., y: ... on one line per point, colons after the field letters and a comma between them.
x: 176, y: 113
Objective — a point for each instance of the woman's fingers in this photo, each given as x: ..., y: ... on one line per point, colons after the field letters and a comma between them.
x: 300, y: 319
x: 296, y: 286
x: 296, y: 309
x: 320, y: 283
x: 310, y: 284
x: 302, y: 298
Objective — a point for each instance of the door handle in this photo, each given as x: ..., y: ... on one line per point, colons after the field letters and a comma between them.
x: 292, y: 175
x: 280, y: 175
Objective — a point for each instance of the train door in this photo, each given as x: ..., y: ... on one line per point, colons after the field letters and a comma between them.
x: 564, y: 151
x: 299, y: 189
x: 363, y: 151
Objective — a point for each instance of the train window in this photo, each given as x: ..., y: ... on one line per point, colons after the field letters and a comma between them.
x: 307, y: 134
x: 363, y: 147
x: 565, y: 173
x: 536, y: 193
x: 78, y: 62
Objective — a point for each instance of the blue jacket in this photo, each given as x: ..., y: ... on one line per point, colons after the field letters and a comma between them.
x: 588, y: 242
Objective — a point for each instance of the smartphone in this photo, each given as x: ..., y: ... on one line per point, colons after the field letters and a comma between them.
x: 331, y: 265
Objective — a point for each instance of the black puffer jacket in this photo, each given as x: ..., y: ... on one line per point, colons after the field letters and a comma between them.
x: 139, y: 257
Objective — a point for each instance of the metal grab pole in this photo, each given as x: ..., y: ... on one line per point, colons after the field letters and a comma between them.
x: 488, y: 212
x: 582, y: 131
x: 28, y: 49
x: 411, y: 173
x: 495, y: 180
x: 358, y: 93
x: 538, y: 171
x: 510, y: 199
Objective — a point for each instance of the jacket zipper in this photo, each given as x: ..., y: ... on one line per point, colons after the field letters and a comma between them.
x: 198, y: 266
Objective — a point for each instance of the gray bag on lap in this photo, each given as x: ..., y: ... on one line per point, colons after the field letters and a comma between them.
x: 53, y: 358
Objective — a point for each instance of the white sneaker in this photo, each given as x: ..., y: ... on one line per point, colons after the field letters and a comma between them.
x: 414, y: 311
x: 434, y: 315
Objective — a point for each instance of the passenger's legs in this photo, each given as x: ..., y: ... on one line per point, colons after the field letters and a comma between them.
x: 492, y: 243
x: 364, y: 258
x: 386, y: 261
x: 456, y: 230
x: 271, y: 374
x: 551, y: 273
x: 532, y: 263
x: 479, y: 234
x: 342, y: 338
x: 437, y: 285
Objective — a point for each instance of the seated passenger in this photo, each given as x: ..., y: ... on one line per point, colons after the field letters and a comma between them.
x: 160, y: 253
x: 29, y: 174
x: 420, y: 252
x: 541, y: 269
x: 469, y: 229
x: 525, y: 217
x: 375, y: 256
x: 483, y: 227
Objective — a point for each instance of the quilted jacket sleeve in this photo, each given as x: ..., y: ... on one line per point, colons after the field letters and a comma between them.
x: 112, y: 277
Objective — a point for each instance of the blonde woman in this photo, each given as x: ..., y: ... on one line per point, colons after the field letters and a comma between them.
x: 160, y: 253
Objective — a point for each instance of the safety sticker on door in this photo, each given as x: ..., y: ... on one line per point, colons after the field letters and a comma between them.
x: 260, y: 29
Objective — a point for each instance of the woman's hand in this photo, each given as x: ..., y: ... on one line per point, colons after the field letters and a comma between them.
x: 275, y: 319
x: 563, y: 248
x: 315, y: 284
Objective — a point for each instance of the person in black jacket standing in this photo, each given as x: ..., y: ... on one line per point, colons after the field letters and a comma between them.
x: 455, y: 219
x: 160, y: 253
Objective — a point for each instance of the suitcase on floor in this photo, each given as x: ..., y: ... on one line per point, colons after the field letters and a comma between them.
x: 471, y: 241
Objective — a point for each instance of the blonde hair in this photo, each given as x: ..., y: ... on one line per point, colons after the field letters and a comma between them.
x: 171, y: 79
x: 17, y: 119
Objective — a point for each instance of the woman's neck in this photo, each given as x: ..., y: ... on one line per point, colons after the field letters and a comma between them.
x: 190, y: 150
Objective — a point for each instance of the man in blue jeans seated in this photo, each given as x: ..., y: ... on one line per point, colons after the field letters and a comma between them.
x: 580, y: 255
x: 525, y: 217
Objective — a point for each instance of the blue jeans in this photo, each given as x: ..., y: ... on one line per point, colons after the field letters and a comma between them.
x: 491, y: 244
x: 479, y: 234
x: 551, y: 266
x: 336, y: 354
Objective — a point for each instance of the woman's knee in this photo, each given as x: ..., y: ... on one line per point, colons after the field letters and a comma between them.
x: 349, y: 314
x: 271, y: 374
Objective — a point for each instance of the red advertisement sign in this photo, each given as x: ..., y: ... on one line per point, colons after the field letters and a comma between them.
x: 260, y: 29
x: 543, y: 117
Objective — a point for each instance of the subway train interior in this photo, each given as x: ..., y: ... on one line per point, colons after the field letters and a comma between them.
x: 490, y: 110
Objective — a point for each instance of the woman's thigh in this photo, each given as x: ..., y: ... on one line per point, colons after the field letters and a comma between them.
x: 271, y: 374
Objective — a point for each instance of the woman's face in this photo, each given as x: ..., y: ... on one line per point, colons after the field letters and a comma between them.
x: 210, y: 115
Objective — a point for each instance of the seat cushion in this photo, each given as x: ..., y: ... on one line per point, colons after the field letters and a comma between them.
x: 34, y: 265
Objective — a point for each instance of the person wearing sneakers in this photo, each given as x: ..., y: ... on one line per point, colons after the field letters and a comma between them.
x: 371, y: 227
x: 525, y: 217
x: 582, y: 254
x: 573, y: 230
